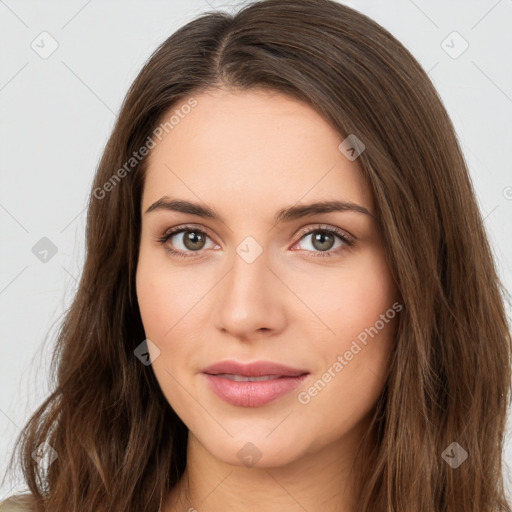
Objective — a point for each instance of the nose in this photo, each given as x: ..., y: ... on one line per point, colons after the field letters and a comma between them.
x: 251, y: 299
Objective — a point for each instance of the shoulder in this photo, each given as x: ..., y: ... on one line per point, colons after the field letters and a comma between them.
x: 19, y: 503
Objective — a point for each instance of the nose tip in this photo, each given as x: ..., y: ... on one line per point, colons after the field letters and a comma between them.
x: 248, y: 300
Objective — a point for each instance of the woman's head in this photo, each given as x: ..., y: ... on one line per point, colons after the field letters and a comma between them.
x: 259, y: 285
x: 282, y: 105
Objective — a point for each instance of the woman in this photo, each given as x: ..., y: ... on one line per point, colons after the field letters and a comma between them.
x: 338, y: 342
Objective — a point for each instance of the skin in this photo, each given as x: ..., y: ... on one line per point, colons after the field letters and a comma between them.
x: 247, y: 155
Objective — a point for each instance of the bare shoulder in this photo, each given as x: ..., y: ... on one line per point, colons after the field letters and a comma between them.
x: 19, y: 503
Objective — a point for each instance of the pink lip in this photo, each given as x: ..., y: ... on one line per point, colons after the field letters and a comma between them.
x: 253, y: 394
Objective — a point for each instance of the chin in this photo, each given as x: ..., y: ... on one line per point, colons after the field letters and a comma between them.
x: 259, y: 446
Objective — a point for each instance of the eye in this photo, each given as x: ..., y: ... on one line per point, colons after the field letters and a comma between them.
x: 322, y: 241
x: 187, y: 238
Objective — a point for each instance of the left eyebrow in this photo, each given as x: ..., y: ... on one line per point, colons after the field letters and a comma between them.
x: 304, y: 210
x: 284, y: 215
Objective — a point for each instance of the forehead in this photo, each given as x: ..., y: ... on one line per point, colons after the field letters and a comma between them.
x: 249, y: 148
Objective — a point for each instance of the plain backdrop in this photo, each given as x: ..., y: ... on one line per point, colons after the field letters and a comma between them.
x: 65, y: 67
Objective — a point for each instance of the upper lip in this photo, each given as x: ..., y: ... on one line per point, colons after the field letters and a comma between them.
x: 255, y: 369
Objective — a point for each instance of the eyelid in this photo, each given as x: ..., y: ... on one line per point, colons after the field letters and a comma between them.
x: 327, y: 227
x: 187, y: 227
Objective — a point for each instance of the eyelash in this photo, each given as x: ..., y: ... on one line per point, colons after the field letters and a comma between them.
x: 322, y: 254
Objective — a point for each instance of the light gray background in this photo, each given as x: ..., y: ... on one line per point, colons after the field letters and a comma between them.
x: 57, y: 113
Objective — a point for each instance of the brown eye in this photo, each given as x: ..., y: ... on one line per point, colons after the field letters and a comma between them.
x: 193, y: 240
x: 322, y: 241
x: 325, y: 241
x: 185, y: 241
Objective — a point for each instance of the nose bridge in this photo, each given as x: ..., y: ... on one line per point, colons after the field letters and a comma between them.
x: 249, y: 270
x: 249, y: 298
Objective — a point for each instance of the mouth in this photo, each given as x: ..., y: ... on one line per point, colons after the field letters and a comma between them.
x: 254, y: 384
x: 245, y: 378
x: 254, y: 369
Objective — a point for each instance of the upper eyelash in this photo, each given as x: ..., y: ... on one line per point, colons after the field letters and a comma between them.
x: 173, y: 231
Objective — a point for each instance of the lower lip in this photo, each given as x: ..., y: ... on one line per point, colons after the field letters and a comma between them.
x: 252, y: 394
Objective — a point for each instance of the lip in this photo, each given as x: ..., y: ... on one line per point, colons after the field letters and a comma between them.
x: 255, y: 369
x: 253, y: 394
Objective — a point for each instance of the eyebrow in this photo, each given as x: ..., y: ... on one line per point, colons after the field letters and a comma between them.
x: 286, y: 214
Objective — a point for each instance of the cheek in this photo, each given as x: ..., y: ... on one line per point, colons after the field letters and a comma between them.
x: 159, y: 308
x: 358, y: 307
x: 351, y: 298
x: 167, y: 297
x: 172, y: 319
x: 155, y: 304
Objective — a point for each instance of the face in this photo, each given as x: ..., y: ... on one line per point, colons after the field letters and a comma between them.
x: 309, y: 290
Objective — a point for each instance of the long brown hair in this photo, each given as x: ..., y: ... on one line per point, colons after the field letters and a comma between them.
x: 121, y: 447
